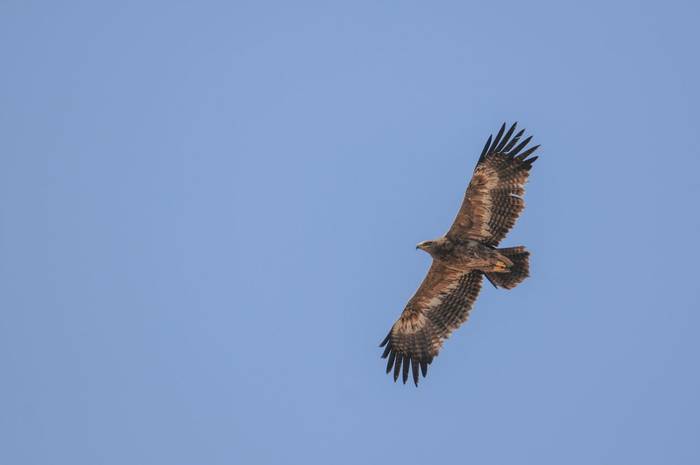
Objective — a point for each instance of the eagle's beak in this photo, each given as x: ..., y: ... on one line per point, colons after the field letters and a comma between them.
x: 425, y: 246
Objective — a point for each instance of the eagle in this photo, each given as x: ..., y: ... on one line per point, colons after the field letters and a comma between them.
x: 468, y: 252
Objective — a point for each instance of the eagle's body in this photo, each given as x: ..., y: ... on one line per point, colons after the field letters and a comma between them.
x: 466, y: 254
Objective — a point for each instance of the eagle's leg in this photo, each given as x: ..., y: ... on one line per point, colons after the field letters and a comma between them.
x: 514, y: 274
x: 498, y: 264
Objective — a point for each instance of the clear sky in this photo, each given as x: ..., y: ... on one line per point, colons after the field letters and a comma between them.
x: 209, y: 211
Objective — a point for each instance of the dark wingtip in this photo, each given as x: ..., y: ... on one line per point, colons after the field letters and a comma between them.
x: 505, y: 140
x: 513, y: 141
x: 497, y: 140
x: 414, y: 365
x: 504, y: 143
x: 406, y: 367
x: 520, y: 146
x: 390, y: 362
x: 527, y: 152
x: 485, y: 150
x: 386, y: 351
x: 397, y: 366
x: 386, y: 339
x: 530, y: 161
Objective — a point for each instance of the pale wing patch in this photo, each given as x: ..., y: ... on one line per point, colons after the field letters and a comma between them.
x: 480, y: 199
x: 437, y: 300
x: 411, y: 323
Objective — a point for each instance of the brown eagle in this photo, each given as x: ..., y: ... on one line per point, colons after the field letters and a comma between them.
x: 492, y: 203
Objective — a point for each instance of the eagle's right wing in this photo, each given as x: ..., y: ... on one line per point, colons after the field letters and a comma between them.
x: 441, y: 304
x: 494, y: 198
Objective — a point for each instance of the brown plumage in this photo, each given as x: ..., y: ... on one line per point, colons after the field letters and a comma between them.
x: 462, y: 257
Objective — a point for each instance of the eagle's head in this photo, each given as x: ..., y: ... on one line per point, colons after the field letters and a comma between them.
x: 429, y: 246
x: 435, y: 246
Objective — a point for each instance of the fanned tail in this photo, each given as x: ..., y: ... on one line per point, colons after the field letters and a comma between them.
x: 516, y: 273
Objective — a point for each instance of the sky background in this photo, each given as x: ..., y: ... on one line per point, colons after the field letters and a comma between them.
x: 209, y: 211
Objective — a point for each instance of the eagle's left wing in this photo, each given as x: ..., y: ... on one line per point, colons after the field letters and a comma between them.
x: 494, y: 198
x: 440, y: 305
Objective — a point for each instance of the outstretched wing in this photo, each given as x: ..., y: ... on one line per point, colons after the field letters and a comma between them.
x: 493, y: 200
x: 441, y: 304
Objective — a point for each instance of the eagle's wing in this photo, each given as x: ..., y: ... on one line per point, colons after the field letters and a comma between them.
x: 493, y: 200
x: 441, y: 304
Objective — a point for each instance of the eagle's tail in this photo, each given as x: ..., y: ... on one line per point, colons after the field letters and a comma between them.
x: 516, y: 273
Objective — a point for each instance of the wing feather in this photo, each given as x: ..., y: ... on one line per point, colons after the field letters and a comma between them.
x: 441, y: 304
x: 493, y: 200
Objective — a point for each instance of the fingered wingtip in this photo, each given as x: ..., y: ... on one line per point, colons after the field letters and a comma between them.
x: 386, y: 339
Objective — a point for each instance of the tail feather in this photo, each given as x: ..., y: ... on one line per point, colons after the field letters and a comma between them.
x: 516, y: 273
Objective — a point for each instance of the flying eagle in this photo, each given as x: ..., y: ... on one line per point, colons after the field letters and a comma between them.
x: 492, y: 203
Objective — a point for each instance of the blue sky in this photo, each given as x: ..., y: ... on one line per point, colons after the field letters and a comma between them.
x: 209, y: 212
